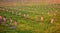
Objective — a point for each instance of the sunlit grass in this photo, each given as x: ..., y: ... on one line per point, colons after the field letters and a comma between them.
x: 30, y: 24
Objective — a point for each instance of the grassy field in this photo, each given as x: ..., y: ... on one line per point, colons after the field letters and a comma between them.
x: 30, y: 24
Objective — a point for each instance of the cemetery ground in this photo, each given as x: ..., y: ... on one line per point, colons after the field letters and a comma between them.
x: 28, y: 19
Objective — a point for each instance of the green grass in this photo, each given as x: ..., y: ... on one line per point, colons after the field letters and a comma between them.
x: 31, y: 25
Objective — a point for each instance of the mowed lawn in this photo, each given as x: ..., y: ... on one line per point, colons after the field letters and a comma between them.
x: 30, y: 24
